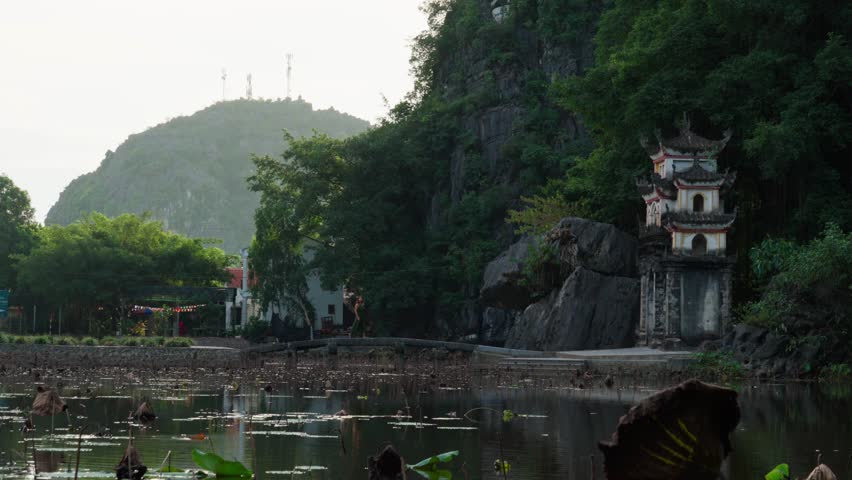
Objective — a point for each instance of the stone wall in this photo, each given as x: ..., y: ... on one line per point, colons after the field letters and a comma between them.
x: 12, y: 355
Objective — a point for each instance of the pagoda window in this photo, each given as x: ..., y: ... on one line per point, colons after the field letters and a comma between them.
x: 699, y: 245
x: 698, y: 203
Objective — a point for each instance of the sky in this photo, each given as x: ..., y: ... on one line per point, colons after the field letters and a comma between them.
x: 77, y: 78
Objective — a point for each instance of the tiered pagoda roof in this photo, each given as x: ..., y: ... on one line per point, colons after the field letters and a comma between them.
x: 693, y: 220
x: 698, y: 175
x: 687, y: 142
x: 654, y: 184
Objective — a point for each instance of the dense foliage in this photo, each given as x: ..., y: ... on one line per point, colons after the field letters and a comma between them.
x: 804, y: 286
x: 779, y: 73
x: 94, y: 266
x: 189, y: 172
x: 17, y: 228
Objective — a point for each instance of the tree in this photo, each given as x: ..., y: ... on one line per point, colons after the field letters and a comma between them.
x: 98, y: 263
x: 295, y: 197
x: 17, y: 228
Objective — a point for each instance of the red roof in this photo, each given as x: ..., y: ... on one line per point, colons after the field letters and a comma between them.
x: 236, y: 280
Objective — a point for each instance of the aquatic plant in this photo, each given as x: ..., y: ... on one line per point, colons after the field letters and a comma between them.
x: 780, y: 472
x: 219, y: 466
x: 428, y: 467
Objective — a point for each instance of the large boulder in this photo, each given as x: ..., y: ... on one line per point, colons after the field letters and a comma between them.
x: 496, y: 325
x: 576, y: 242
x: 590, y: 311
x: 599, y: 247
x: 501, y: 282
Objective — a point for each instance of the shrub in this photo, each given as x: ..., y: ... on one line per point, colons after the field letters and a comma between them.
x: 111, y: 341
x: 837, y: 371
x: 64, y: 341
x: 21, y: 340
x: 42, y: 340
x: 718, y: 365
x: 91, y: 341
x: 178, y: 342
x: 5, y: 338
x: 797, y: 277
x: 255, y: 330
x: 129, y: 342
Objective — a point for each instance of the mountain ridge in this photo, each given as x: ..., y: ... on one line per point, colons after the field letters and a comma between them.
x: 189, y: 172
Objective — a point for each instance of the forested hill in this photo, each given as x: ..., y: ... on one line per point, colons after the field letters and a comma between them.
x: 190, y: 172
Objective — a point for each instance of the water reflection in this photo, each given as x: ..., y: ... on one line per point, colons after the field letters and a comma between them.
x: 554, y: 434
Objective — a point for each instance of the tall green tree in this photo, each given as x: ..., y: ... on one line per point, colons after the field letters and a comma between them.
x: 295, y: 196
x: 98, y: 262
x: 17, y: 228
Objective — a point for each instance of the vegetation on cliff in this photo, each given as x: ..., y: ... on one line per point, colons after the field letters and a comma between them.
x: 190, y: 172
x: 779, y: 73
x: 804, y: 286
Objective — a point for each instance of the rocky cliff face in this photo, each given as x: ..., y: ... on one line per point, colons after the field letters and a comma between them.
x: 507, y: 66
x: 494, y: 72
x: 574, y: 288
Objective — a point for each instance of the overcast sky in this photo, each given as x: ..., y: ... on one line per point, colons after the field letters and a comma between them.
x: 76, y: 78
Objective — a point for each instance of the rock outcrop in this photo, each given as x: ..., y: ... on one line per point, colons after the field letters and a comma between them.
x: 769, y: 354
x: 590, y: 311
x: 573, y: 288
x: 501, y: 283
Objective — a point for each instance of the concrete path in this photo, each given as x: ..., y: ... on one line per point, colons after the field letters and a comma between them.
x: 504, y: 357
x: 634, y: 353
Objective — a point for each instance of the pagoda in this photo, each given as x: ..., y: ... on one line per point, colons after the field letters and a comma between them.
x: 686, y: 270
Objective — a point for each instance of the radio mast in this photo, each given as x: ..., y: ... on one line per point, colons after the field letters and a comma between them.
x: 224, y: 77
x: 289, y: 73
x: 248, y: 86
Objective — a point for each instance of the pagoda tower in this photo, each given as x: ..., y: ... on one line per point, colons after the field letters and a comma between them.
x: 686, y: 270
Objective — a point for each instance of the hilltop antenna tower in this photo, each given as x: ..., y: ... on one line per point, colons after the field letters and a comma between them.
x: 224, y: 77
x: 248, y: 86
x: 289, y: 72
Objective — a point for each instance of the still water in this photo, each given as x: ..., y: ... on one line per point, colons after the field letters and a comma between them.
x: 294, y: 433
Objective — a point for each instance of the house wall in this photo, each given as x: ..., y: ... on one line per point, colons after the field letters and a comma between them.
x: 716, y: 242
x: 685, y: 197
x: 701, y: 304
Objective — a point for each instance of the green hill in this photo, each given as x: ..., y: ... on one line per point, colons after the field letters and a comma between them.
x: 190, y: 172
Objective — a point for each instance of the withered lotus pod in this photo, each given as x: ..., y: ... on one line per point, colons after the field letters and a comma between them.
x: 144, y: 413
x: 677, y: 434
x: 130, y: 460
x: 388, y: 465
x: 822, y: 472
x: 47, y: 402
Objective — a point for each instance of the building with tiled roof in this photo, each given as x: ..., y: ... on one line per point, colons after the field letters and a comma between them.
x: 686, y: 269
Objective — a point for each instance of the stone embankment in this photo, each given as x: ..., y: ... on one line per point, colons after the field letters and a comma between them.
x: 80, y: 356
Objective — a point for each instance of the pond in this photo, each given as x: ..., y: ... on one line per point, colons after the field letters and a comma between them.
x: 293, y: 433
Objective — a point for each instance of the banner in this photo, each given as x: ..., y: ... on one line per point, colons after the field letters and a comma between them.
x: 4, y: 303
